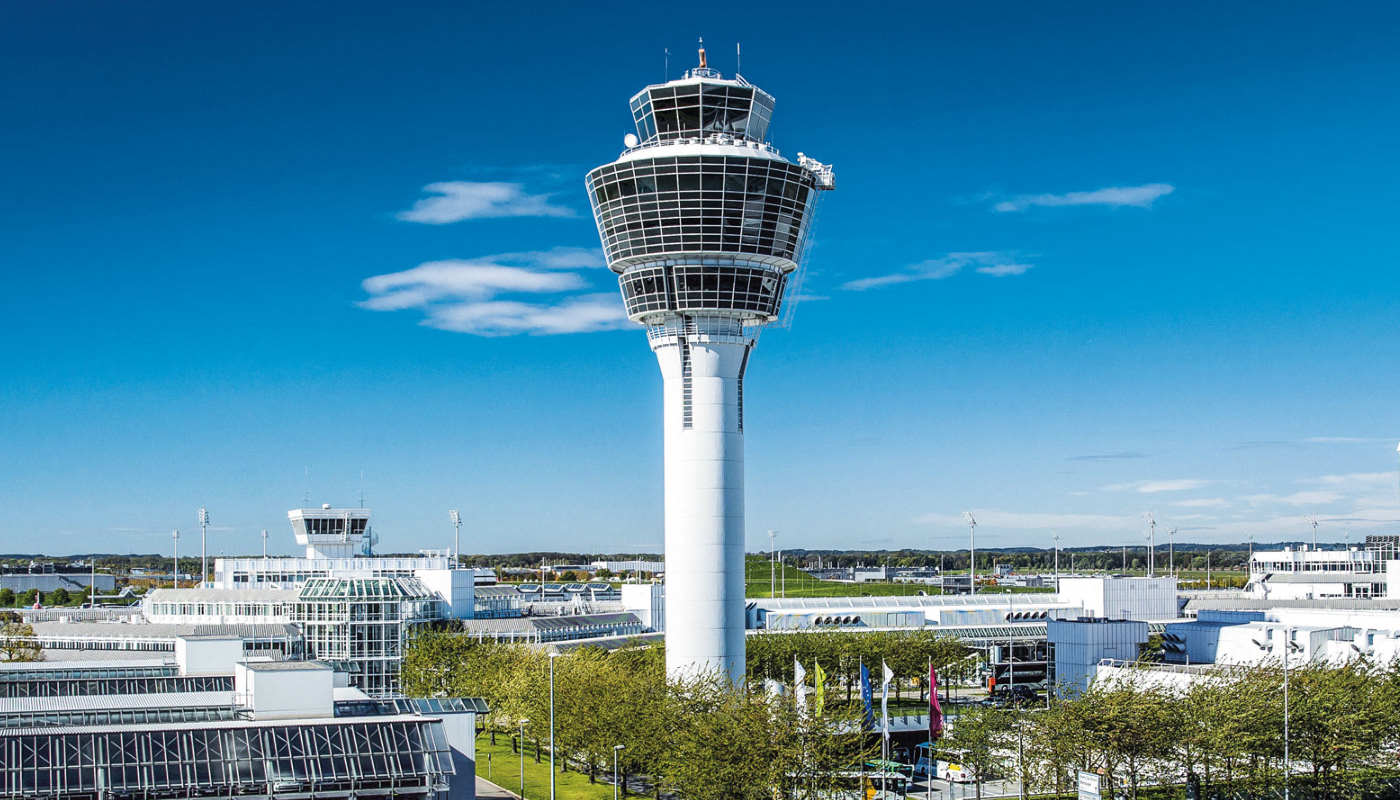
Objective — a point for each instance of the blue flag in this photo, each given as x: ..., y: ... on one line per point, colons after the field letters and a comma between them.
x: 867, y: 697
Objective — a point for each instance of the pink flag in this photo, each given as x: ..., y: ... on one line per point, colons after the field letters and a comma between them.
x: 935, y: 711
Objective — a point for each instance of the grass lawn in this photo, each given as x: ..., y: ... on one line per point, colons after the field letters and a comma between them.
x: 758, y: 579
x: 502, y: 767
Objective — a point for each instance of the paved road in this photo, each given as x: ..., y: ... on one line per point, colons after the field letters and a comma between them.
x: 489, y: 791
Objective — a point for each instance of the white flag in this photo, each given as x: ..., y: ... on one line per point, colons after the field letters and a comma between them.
x: 885, y: 697
x: 799, y: 680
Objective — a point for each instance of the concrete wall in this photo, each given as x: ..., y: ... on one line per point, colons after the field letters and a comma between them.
x: 48, y: 581
x: 456, y: 586
x: 1122, y: 597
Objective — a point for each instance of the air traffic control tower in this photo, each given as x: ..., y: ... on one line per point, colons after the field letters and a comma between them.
x: 704, y: 222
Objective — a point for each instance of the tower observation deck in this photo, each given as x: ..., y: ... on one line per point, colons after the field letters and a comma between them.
x: 704, y: 222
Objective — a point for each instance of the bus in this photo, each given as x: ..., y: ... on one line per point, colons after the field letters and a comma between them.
x: 926, y: 760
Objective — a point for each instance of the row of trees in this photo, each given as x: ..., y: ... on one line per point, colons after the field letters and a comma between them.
x: 1225, y: 729
x: 701, y: 739
x: 58, y: 597
x: 908, y: 653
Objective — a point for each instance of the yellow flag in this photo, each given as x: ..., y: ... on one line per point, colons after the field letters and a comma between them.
x: 819, y: 702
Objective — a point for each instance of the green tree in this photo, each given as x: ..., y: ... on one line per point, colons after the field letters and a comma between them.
x: 17, y: 643
x: 7, y: 597
x: 979, y: 740
x: 58, y: 597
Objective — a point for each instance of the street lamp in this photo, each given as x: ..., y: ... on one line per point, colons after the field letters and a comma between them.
x: 523, y: 722
x: 1289, y: 646
x: 552, y: 656
x: 617, y: 784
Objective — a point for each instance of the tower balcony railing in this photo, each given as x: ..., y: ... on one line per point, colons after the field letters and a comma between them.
x: 710, y: 138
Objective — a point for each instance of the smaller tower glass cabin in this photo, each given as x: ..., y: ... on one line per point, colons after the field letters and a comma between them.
x: 704, y: 221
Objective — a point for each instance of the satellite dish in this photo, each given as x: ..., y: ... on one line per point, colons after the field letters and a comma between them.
x: 630, y: 140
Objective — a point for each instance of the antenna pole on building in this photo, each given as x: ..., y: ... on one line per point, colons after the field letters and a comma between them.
x: 175, y: 575
x: 264, y: 538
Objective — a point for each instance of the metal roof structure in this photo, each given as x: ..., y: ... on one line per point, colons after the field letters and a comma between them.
x: 388, y: 588
x: 74, y: 686
x: 395, y: 756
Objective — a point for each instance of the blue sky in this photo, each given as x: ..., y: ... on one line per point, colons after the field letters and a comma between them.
x: 1083, y: 262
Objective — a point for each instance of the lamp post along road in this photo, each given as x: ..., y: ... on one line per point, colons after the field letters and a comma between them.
x: 552, y: 656
x: 972, y: 552
x: 617, y: 782
x: 522, y: 758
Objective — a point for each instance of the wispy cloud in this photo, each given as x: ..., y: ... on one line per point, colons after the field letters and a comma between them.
x: 1115, y: 196
x: 1004, y: 270
x: 454, y: 201
x: 1155, y: 487
x: 990, y: 263
x: 1119, y: 456
x: 482, y: 295
x: 1347, y: 440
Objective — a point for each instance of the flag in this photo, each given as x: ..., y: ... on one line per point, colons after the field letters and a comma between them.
x: 799, y: 683
x: 819, y: 679
x: 866, y: 697
x: 935, y: 711
x: 888, y: 675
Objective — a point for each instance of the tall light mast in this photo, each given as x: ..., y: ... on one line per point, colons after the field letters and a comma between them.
x: 972, y: 552
x: 1151, y: 544
x: 203, y: 536
x: 175, y: 575
x: 456, y: 537
x: 704, y: 222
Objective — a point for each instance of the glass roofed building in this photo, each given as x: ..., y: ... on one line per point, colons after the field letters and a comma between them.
x: 364, y: 622
x: 270, y: 729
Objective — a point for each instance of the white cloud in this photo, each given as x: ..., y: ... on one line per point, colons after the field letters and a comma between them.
x: 482, y: 295
x: 454, y: 201
x: 579, y: 314
x: 1004, y: 270
x: 1355, y: 480
x: 1203, y: 502
x: 935, y: 269
x: 1115, y: 196
x: 1307, y: 498
x: 1155, y: 487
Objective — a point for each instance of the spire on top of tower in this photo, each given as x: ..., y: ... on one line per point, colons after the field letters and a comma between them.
x: 703, y: 65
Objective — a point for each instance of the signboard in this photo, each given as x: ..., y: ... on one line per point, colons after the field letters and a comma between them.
x: 1089, y: 785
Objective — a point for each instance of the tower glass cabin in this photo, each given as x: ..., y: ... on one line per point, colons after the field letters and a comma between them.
x: 704, y: 222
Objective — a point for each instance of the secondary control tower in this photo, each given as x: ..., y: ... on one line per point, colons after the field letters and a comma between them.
x: 704, y: 221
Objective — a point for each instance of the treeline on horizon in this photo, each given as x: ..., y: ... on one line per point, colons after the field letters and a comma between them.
x: 1188, y: 555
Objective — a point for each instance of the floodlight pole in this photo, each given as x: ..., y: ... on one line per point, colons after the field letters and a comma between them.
x: 1057, y: 562
x: 264, y: 538
x: 203, y: 535
x: 456, y: 537
x: 175, y: 574
x: 972, y: 552
x: 1171, y: 552
x: 772, y: 563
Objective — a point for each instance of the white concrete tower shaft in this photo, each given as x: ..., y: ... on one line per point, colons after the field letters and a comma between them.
x: 703, y: 222
x: 702, y: 382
